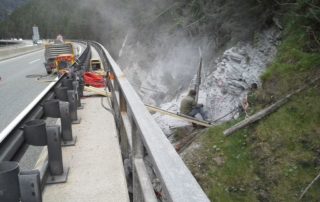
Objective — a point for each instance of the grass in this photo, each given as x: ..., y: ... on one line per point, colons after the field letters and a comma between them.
x: 273, y: 160
x: 276, y: 158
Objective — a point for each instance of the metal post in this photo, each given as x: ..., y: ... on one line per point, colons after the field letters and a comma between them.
x: 67, y: 139
x: 9, y: 182
x: 51, y: 108
x: 73, y: 107
x: 138, y: 153
x: 35, y: 132
x: 57, y: 172
x: 59, y: 109
x: 67, y: 82
x: 30, y: 187
x: 81, y: 87
x: 76, y: 90
x: 61, y: 93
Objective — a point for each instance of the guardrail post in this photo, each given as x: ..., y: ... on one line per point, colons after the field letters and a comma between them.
x: 51, y: 108
x: 73, y: 107
x: 124, y: 128
x: 66, y: 125
x: 67, y: 82
x: 76, y: 90
x: 81, y: 87
x: 59, y: 109
x: 9, y: 182
x: 61, y: 93
x: 37, y: 134
x: 30, y: 187
x: 58, y: 173
x: 137, y: 150
x: 72, y: 99
x: 142, y: 186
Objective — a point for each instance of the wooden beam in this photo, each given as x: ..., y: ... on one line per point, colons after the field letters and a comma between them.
x: 261, y: 114
x: 179, y: 116
x: 98, y: 91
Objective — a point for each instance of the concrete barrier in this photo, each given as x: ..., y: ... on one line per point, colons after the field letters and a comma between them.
x: 15, y: 51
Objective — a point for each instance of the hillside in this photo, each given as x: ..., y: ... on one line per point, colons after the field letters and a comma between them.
x: 276, y: 158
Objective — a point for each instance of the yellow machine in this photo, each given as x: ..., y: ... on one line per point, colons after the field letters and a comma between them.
x: 64, y: 61
x: 95, y: 64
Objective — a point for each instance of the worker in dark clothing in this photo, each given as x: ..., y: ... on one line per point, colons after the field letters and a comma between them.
x: 189, y: 106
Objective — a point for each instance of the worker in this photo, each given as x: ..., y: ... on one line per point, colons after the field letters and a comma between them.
x: 249, y: 98
x: 189, y: 106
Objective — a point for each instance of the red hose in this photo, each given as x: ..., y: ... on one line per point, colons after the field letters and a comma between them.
x: 94, y: 80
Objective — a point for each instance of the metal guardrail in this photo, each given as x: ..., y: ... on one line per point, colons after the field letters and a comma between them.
x: 12, y: 142
x: 143, y: 144
x: 4, y: 43
x: 29, y: 128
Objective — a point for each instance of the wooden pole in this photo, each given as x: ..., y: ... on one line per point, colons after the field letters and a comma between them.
x: 179, y: 116
x: 198, y: 79
x: 261, y: 114
x: 308, y: 187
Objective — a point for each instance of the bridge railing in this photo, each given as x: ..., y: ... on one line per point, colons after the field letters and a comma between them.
x: 145, y: 148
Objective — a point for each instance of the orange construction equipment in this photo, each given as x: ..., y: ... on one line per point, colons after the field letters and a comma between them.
x: 93, y: 79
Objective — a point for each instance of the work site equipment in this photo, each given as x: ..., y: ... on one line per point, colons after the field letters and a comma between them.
x: 95, y: 64
x: 94, y: 79
x: 58, y: 56
x: 179, y: 116
x: 198, y: 78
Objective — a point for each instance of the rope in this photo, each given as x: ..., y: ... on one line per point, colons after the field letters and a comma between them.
x: 106, y: 108
x: 109, y: 102
x: 41, y: 78
x: 38, y: 76
x: 218, y: 119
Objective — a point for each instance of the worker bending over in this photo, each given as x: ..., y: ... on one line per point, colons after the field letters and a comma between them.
x: 190, y: 107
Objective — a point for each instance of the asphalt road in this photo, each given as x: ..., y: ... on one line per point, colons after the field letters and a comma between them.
x: 16, y: 90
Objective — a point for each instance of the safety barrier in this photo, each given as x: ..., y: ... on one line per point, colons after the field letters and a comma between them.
x: 60, y: 99
x: 158, y: 172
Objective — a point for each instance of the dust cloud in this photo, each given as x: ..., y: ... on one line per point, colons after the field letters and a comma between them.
x: 156, y: 43
x: 158, y: 56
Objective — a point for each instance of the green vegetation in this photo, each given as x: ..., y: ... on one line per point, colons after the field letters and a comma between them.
x: 276, y: 158
x: 51, y: 17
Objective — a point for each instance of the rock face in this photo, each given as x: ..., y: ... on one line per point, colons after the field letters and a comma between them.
x: 226, y: 82
x: 162, y: 58
x: 223, y: 89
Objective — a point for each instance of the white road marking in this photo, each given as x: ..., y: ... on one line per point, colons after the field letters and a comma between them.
x: 19, y: 56
x: 34, y: 61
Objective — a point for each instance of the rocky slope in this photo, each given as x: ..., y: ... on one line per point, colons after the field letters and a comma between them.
x: 237, y: 40
x: 225, y: 80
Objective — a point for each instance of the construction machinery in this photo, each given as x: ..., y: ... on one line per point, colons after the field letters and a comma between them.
x: 95, y: 64
x: 58, y: 56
